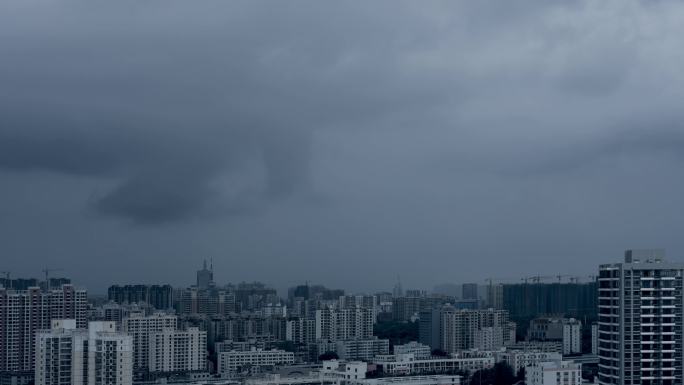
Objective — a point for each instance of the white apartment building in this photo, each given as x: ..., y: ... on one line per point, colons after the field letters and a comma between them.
x: 640, y: 320
x: 99, y: 355
x: 174, y: 350
x: 566, y: 330
x: 485, y: 329
x: 517, y: 359
x: 141, y: 327
x: 350, y: 373
x: 361, y: 349
x: 24, y: 312
x: 407, y: 364
x: 300, y: 330
x: 410, y: 380
x: 554, y: 373
x: 344, y: 324
x: 419, y: 351
x: 594, y: 338
x: 229, y: 363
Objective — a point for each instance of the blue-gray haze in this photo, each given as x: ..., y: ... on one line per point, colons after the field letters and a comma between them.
x: 340, y: 142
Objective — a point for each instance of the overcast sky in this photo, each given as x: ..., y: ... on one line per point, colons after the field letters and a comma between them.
x: 339, y: 142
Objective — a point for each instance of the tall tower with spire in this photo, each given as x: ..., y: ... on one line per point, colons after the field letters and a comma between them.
x: 205, y: 277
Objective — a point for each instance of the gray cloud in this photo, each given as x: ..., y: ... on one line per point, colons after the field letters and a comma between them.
x: 315, y: 132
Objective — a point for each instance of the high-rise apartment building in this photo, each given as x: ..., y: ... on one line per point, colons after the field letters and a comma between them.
x: 469, y: 291
x: 566, y: 330
x: 158, y: 296
x: 495, y: 296
x: 484, y: 329
x: 640, y: 320
x: 344, y: 324
x: 172, y: 350
x: 24, y: 312
x: 141, y: 328
x: 429, y: 326
x: 99, y: 355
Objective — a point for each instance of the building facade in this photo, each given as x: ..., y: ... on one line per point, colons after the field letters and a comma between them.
x: 98, y: 355
x: 172, y: 350
x: 640, y: 320
x: 554, y: 373
x: 24, y: 312
x: 141, y: 327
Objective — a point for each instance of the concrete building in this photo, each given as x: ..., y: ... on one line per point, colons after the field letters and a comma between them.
x: 361, y: 349
x: 407, y: 364
x: 230, y: 363
x: 534, y: 346
x: 205, y: 277
x: 594, y: 338
x: 349, y: 373
x: 158, y: 296
x: 429, y: 325
x: 566, y: 330
x: 469, y: 291
x: 24, y: 312
x: 99, y: 355
x: 301, y: 330
x: 518, y: 359
x: 141, y: 327
x: 173, y: 350
x: 554, y: 373
x: 344, y: 324
x: 640, y: 316
x: 419, y: 351
x: 494, y: 296
x: 485, y: 329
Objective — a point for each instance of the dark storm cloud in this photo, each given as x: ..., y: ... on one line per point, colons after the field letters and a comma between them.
x: 190, y: 105
x: 313, y: 132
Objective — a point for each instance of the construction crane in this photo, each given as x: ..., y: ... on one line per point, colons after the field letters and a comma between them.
x: 7, y: 278
x: 537, y: 278
x: 47, y: 272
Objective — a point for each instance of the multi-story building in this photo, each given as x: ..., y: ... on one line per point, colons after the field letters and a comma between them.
x: 566, y: 330
x: 534, y: 346
x: 407, y: 308
x: 594, y: 338
x: 469, y: 291
x: 205, y: 277
x: 301, y: 330
x: 210, y: 302
x: 419, y: 351
x: 24, y: 312
x: 140, y: 328
x: 528, y: 300
x: 495, y: 296
x: 518, y: 359
x: 640, y: 320
x: 361, y: 349
x: 99, y: 355
x: 344, y: 324
x: 243, y: 327
x: 230, y: 363
x: 158, y: 296
x: 554, y: 373
x: 484, y: 329
x: 172, y: 350
x: 429, y: 326
x: 407, y: 364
